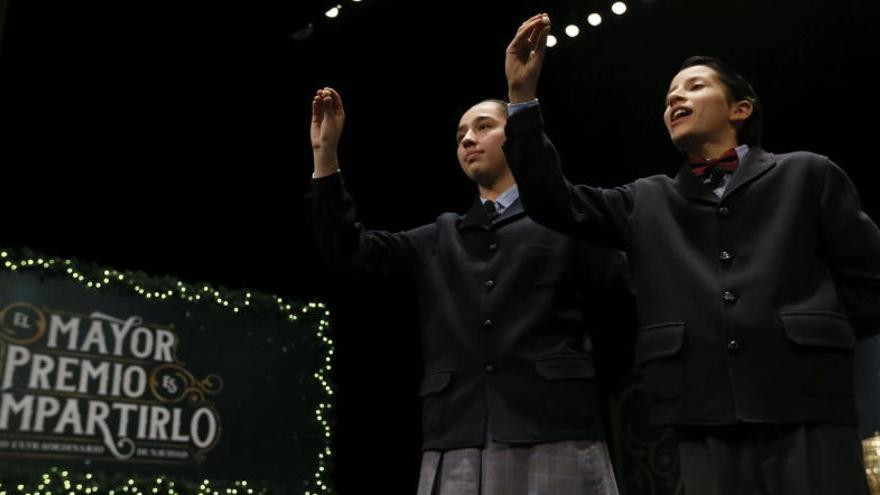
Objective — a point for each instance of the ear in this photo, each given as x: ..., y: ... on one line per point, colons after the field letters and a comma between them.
x: 740, y: 111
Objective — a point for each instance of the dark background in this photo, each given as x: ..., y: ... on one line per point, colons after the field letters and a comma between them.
x: 173, y: 138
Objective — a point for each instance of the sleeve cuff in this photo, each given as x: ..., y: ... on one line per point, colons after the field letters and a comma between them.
x: 330, y: 184
x: 514, y: 108
x: 526, y: 120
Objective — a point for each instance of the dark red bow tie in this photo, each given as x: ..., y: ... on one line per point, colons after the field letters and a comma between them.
x: 726, y: 163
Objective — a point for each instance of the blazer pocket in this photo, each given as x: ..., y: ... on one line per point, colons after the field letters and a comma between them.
x: 435, y: 383
x: 818, y: 329
x: 556, y: 367
x: 564, y: 391
x: 434, y: 404
x: 820, y: 357
x: 657, y: 350
x: 659, y: 341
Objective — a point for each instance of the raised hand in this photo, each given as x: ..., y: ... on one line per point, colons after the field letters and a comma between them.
x: 525, y: 54
x: 328, y: 119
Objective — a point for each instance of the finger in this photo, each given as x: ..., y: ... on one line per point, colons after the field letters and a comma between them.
x: 527, y: 22
x: 522, y: 36
x: 337, y: 100
x: 531, y: 32
x: 327, y: 103
x: 317, y: 111
x: 538, y: 27
x: 541, y: 43
x: 532, y: 19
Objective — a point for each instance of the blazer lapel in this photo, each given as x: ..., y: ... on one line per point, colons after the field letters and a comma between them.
x: 756, y: 163
x: 514, y: 211
x: 475, y: 217
x: 692, y: 186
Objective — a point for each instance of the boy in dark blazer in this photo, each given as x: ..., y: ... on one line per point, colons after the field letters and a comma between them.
x: 755, y: 274
x: 508, y: 391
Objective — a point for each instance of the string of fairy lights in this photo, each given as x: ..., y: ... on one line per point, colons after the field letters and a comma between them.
x: 593, y: 20
x: 58, y: 481
x: 571, y: 28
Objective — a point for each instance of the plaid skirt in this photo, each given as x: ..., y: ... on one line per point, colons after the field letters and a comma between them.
x: 570, y: 467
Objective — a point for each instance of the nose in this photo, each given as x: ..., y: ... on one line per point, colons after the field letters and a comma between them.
x: 674, y: 97
x: 468, y: 139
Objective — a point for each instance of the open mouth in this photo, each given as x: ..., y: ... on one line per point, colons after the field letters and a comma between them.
x: 679, y: 113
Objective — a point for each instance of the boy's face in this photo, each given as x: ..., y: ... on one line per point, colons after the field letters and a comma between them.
x: 480, y: 136
x: 698, y: 109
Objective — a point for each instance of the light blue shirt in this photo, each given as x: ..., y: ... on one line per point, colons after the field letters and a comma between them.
x: 505, y: 199
x: 741, y: 152
x: 512, y: 108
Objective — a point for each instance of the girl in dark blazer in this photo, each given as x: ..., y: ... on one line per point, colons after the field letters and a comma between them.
x: 755, y: 275
x: 508, y: 391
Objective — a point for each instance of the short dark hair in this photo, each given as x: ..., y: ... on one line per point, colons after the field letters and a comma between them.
x: 738, y: 89
x: 500, y: 103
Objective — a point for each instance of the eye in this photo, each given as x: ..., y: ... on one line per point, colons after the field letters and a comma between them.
x: 484, y: 126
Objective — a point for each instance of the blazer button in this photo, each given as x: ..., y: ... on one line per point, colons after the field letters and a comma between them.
x: 490, y: 284
x: 490, y: 369
x: 724, y: 212
x: 725, y: 257
x: 487, y: 324
x: 728, y: 297
x: 734, y: 346
x: 493, y: 247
